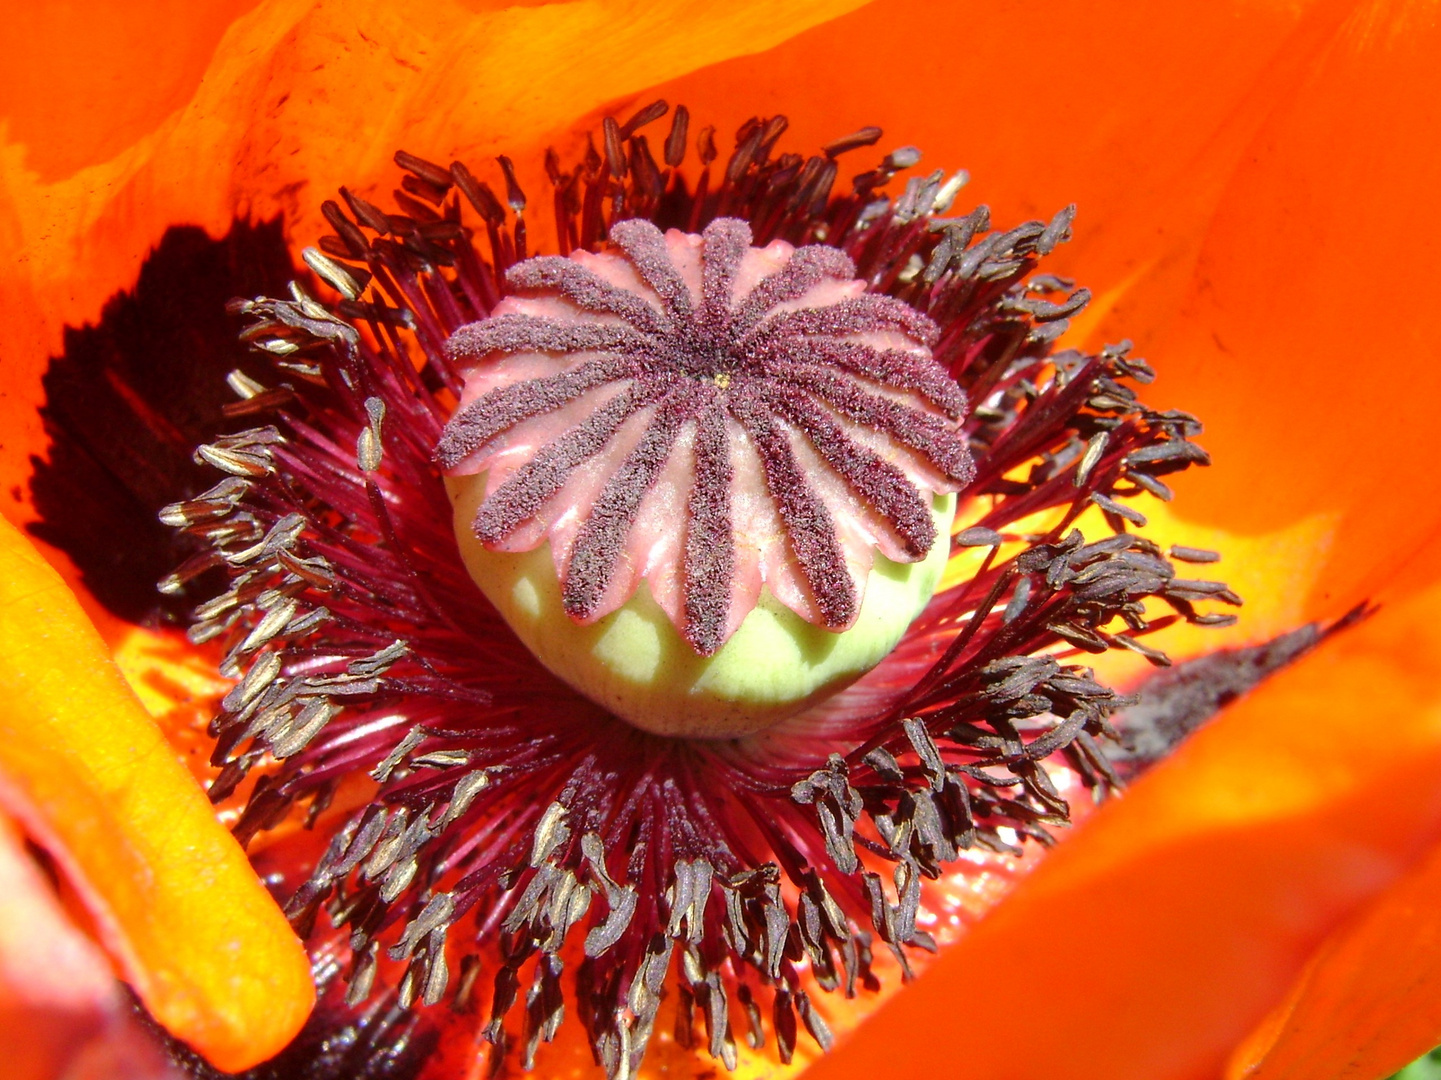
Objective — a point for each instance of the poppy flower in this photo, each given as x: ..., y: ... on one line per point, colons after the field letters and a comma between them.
x: 1229, y: 237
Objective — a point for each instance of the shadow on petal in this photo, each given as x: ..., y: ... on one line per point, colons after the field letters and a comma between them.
x: 130, y: 399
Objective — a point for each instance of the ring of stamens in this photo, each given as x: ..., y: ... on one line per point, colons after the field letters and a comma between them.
x: 515, y: 834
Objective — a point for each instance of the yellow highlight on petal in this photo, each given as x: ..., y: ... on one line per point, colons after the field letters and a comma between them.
x: 1274, y: 573
x: 95, y: 782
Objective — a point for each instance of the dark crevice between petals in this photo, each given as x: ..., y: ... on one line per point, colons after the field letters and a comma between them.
x: 381, y: 1041
x: 1174, y: 704
x: 131, y: 397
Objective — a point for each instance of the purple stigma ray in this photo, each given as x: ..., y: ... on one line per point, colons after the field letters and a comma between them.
x: 749, y: 364
x: 808, y: 267
x: 897, y: 369
x: 858, y: 315
x: 597, y: 549
x: 726, y: 242
x: 812, y: 532
x: 942, y: 446
x: 526, y: 333
x: 505, y: 406
x: 645, y: 246
x: 710, y: 544
x: 587, y: 291
x: 520, y: 496
x: 879, y: 483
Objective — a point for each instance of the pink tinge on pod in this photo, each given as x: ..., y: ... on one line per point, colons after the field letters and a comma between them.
x: 709, y: 417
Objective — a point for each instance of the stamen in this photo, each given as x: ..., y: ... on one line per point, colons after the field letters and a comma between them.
x: 675, y: 142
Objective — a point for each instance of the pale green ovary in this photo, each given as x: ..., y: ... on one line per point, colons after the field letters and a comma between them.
x: 635, y: 664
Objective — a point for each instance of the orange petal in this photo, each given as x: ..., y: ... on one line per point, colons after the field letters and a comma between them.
x: 1133, y: 111
x: 76, y: 96
x: 1303, y: 342
x: 1369, y: 1001
x: 1142, y: 133
x: 93, y: 780
x: 1153, y: 940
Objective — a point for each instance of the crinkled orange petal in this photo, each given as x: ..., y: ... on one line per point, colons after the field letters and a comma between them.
x: 75, y: 96
x: 1369, y: 1001
x: 95, y: 783
x: 1136, y: 112
x: 1263, y: 815
x: 1306, y: 340
x: 1147, y: 945
x: 300, y: 98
